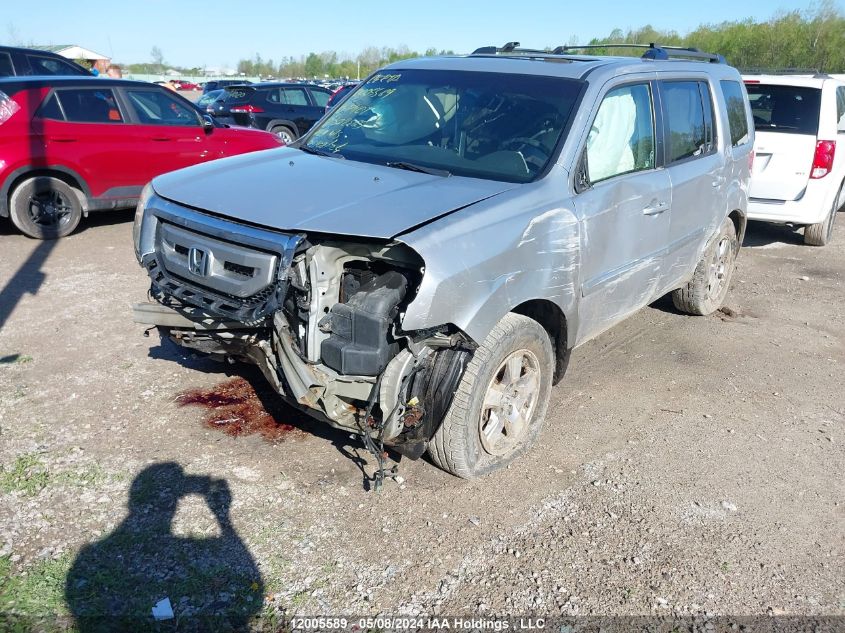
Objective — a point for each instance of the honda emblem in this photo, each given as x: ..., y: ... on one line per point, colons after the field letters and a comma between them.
x: 197, y: 261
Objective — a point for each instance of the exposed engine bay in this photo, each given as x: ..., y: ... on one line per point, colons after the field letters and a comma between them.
x: 320, y: 317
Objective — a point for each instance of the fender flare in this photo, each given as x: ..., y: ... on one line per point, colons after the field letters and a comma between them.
x: 5, y: 188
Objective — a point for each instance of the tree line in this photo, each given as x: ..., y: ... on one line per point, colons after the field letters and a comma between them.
x: 811, y: 39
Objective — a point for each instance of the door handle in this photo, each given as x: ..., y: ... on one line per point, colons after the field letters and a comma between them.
x: 63, y: 139
x: 161, y: 138
x: 655, y: 208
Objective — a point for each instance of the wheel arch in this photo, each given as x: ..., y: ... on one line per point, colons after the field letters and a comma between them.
x: 740, y: 222
x: 285, y: 122
x: 65, y: 174
x: 551, y: 317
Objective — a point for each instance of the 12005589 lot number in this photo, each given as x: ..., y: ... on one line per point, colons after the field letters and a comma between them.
x: 318, y: 624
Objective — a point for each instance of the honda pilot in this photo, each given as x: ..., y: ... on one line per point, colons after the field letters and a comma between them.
x: 418, y: 267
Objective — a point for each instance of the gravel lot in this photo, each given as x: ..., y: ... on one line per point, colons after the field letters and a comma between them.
x: 689, y: 465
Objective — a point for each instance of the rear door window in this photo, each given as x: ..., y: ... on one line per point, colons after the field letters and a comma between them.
x: 89, y: 105
x: 737, y: 116
x: 6, y: 68
x: 689, y: 133
x: 51, y: 66
x: 293, y: 96
x: 156, y: 107
x: 789, y: 109
x: 840, y: 109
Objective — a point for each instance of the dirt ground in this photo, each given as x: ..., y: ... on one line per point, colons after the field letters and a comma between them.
x: 688, y: 465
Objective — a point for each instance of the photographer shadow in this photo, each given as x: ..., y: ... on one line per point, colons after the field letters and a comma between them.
x: 212, y: 583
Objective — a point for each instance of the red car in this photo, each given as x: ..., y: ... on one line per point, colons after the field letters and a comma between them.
x: 71, y: 145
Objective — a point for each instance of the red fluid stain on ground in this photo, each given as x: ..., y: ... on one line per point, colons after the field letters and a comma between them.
x: 235, y: 408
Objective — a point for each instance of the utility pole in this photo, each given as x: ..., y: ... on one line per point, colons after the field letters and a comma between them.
x: 359, y: 70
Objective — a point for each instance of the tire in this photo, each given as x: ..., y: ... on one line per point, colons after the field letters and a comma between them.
x: 820, y: 234
x: 706, y: 291
x: 45, y: 208
x: 287, y: 135
x: 460, y: 445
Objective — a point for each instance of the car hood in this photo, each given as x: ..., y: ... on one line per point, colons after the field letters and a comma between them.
x: 290, y: 190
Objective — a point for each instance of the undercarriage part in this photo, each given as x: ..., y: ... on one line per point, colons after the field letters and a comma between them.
x: 359, y: 343
x: 429, y: 396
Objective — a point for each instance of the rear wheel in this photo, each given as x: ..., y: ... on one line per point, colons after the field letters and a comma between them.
x: 707, y: 289
x: 820, y: 234
x: 501, y: 401
x: 287, y: 135
x: 45, y: 208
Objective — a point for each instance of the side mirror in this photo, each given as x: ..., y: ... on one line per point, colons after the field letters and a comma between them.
x: 582, y: 181
x: 207, y: 123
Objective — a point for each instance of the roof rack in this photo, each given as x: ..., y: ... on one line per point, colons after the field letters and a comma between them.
x: 510, y: 47
x: 653, y: 51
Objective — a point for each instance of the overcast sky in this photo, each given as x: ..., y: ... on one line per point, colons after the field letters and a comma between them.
x: 211, y: 33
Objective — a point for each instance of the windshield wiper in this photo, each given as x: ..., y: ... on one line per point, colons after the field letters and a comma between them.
x: 320, y: 152
x: 414, y: 167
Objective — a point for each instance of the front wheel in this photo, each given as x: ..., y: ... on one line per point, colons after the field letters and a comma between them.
x: 500, y: 404
x: 706, y: 291
x: 45, y: 208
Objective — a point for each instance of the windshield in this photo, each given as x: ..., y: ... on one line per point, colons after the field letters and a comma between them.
x: 792, y: 109
x: 486, y: 125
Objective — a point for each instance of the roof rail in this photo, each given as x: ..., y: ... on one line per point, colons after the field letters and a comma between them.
x: 815, y: 72
x: 653, y: 51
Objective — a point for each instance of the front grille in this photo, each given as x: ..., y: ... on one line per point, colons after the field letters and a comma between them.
x: 248, y: 310
x: 243, y: 271
x: 228, y: 270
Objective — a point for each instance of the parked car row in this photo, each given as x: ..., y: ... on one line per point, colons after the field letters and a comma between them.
x: 797, y: 176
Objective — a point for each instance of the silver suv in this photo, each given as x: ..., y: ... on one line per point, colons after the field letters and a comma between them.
x: 419, y: 266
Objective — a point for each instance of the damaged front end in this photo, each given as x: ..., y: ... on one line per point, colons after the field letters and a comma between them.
x: 319, y: 315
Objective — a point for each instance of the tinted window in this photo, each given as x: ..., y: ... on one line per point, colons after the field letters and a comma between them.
x: 737, y: 117
x: 294, y: 96
x: 6, y: 69
x: 791, y: 109
x: 621, y: 138
x: 685, y: 122
x: 50, y: 109
x: 51, y: 66
x: 156, y: 107
x: 840, y: 109
x: 89, y: 105
x: 321, y: 98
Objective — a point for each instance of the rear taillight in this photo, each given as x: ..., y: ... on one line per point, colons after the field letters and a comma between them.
x: 823, y: 159
x: 7, y: 107
x: 248, y: 108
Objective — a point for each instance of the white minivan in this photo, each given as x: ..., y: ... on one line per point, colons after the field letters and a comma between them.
x: 798, y: 173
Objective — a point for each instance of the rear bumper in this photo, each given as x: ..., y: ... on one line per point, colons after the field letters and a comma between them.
x: 812, y: 207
